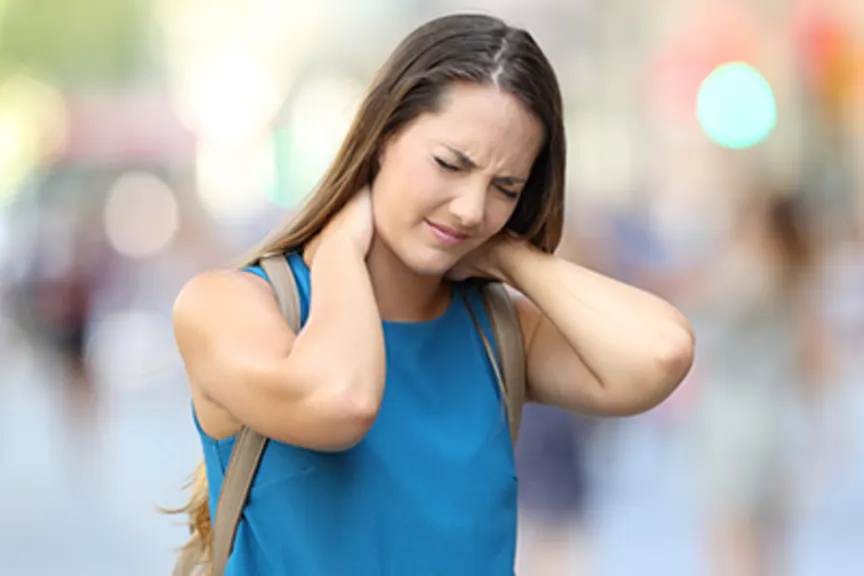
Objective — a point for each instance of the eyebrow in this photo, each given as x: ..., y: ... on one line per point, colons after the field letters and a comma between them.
x: 469, y: 163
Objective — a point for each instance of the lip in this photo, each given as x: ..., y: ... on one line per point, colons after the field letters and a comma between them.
x: 445, y: 235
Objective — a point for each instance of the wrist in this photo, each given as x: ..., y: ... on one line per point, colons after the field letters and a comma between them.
x: 340, y: 247
x: 510, y: 258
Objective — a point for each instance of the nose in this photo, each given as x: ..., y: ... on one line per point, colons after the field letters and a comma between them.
x: 468, y: 207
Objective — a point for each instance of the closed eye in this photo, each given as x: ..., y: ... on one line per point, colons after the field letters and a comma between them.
x: 508, y: 193
x: 445, y: 165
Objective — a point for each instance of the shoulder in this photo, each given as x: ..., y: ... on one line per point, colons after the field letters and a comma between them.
x: 216, y: 283
x: 218, y: 290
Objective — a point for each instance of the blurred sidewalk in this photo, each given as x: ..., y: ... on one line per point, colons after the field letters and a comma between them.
x: 646, y: 516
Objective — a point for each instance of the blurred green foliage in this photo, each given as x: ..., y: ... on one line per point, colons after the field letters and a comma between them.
x: 74, y: 42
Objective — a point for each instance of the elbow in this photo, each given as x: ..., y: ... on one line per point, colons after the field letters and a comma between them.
x: 672, y: 358
x: 666, y: 365
x: 353, y: 415
x: 662, y: 363
x: 349, y: 411
x: 679, y: 351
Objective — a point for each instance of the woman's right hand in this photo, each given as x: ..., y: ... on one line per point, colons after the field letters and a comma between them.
x: 352, y: 224
x: 247, y: 367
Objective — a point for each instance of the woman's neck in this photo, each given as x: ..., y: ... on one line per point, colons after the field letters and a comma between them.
x: 402, y: 294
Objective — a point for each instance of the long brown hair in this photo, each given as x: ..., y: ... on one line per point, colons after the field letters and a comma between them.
x: 457, y: 48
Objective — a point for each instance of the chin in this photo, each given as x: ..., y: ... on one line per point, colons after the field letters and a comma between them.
x: 431, y: 266
x: 428, y: 262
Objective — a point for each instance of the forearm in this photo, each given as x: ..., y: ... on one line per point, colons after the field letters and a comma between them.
x: 343, y: 337
x: 628, y: 338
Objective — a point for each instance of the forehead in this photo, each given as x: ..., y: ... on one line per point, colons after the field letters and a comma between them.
x: 490, y: 125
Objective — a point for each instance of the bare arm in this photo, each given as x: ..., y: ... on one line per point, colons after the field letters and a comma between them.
x: 593, y: 344
x: 320, y: 389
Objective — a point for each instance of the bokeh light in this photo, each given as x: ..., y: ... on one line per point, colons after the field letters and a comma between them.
x: 233, y: 181
x: 233, y: 97
x: 33, y: 128
x: 141, y: 215
x: 318, y: 119
x: 736, y: 106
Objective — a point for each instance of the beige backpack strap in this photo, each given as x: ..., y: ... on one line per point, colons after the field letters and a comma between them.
x: 249, y: 446
x: 507, y: 333
x: 282, y: 279
x: 232, y: 497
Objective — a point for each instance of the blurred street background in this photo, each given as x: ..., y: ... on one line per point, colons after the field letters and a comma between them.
x: 714, y: 158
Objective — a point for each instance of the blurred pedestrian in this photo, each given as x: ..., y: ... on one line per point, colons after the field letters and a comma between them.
x: 760, y: 346
x: 553, y: 493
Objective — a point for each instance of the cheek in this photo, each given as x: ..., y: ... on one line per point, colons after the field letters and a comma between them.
x: 421, y: 192
x: 399, y: 199
x: 388, y: 192
x: 429, y: 192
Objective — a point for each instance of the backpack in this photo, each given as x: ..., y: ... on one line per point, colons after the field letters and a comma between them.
x: 249, y: 446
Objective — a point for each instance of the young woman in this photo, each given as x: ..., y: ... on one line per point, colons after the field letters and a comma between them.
x: 388, y: 453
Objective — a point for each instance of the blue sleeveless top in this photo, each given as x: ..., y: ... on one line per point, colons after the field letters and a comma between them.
x: 430, y: 491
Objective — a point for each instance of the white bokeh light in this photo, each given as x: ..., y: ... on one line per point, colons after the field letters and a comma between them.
x: 233, y: 181
x: 318, y: 120
x: 141, y: 215
x: 233, y: 97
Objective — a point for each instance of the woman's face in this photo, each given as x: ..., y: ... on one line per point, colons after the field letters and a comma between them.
x: 449, y: 181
